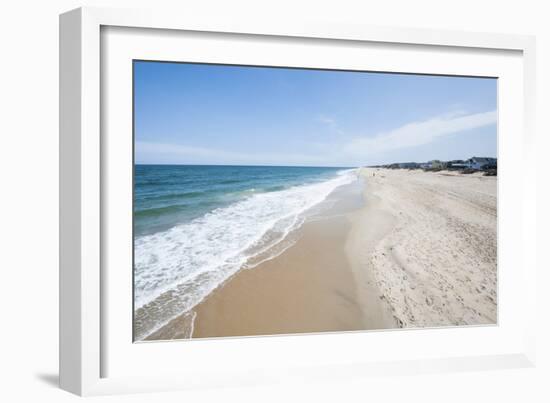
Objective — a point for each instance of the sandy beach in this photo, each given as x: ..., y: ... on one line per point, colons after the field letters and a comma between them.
x: 437, y: 266
x: 398, y: 248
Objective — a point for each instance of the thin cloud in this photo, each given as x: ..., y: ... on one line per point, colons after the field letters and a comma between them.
x: 419, y: 133
x: 166, y: 153
x: 331, y: 123
x: 327, y: 120
x: 356, y: 151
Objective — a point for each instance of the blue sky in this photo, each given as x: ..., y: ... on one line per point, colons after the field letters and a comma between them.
x: 208, y: 114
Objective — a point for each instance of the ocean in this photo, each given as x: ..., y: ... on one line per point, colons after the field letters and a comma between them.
x: 195, y: 226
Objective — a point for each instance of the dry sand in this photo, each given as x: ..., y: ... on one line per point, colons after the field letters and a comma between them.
x: 419, y: 249
x: 438, y: 264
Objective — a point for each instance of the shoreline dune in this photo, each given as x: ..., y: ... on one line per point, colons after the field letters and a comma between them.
x: 400, y: 249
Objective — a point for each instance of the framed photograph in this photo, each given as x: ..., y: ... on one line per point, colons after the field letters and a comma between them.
x: 249, y: 202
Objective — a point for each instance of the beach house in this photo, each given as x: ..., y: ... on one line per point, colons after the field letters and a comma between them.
x: 481, y: 163
x: 456, y: 164
x: 408, y: 165
x: 436, y: 164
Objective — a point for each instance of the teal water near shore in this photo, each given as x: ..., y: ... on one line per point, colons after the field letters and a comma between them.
x: 195, y: 226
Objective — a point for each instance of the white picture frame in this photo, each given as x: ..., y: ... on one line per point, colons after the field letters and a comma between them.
x: 89, y: 352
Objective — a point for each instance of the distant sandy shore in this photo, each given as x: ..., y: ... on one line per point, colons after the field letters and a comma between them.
x: 398, y: 249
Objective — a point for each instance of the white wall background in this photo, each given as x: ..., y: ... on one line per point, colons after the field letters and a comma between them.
x: 29, y: 187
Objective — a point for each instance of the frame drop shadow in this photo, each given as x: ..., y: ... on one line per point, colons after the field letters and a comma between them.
x: 49, y: 379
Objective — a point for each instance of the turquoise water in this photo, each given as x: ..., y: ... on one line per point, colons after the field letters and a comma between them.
x: 167, y: 195
x: 195, y: 226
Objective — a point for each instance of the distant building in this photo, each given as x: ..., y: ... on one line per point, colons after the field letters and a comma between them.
x: 477, y: 163
x: 406, y: 165
x: 481, y: 163
x: 436, y: 164
x: 456, y: 164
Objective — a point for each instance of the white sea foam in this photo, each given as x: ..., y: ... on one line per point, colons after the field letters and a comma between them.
x: 178, y: 268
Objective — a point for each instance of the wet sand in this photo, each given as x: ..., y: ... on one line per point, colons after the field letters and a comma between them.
x: 311, y: 287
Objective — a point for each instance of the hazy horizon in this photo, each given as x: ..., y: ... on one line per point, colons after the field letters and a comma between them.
x: 199, y: 114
